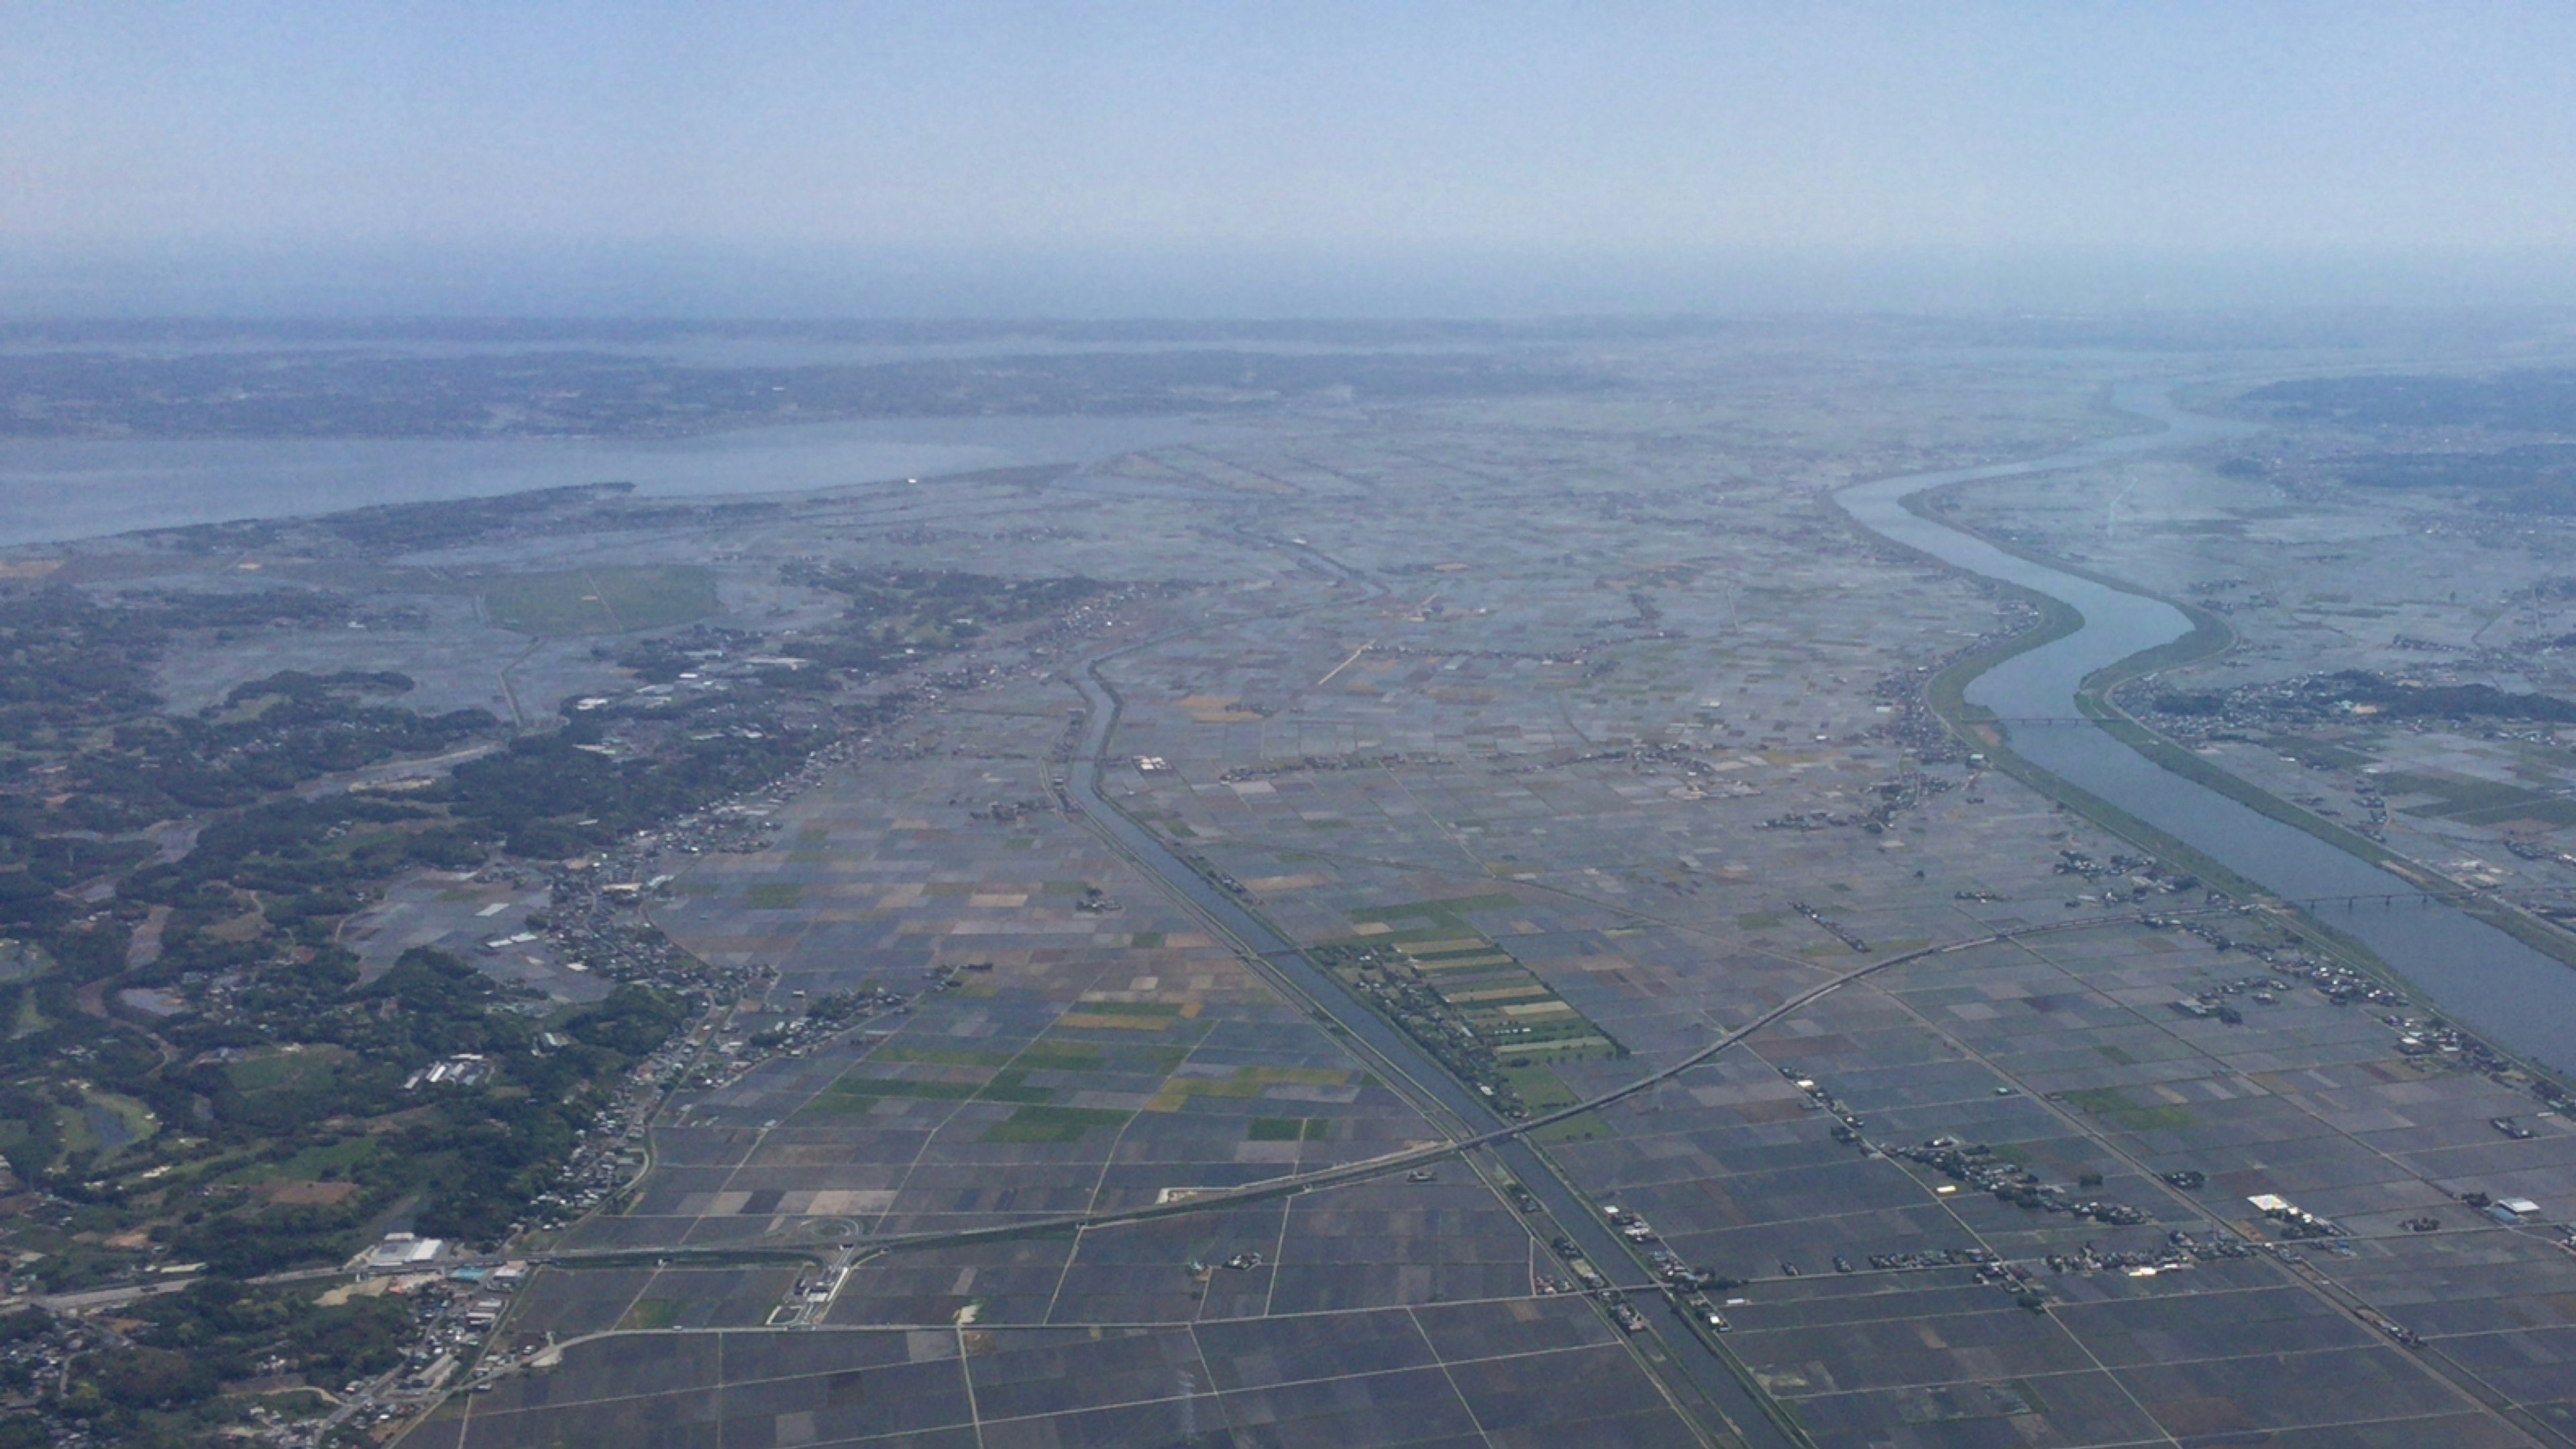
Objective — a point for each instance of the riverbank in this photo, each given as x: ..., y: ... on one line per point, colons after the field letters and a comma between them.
x: 2040, y: 705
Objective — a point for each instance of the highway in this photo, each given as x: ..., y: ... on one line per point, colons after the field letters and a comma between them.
x: 1721, y: 1383
x: 1708, y: 1384
x: 1703, y: 1362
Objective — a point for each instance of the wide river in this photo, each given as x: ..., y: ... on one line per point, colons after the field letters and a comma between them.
x: 2470, y: 971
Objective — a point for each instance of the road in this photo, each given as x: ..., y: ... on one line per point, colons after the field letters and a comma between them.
x: 1718, y: 1379
x: 1703, y: 1362
x: 1702, y: 1366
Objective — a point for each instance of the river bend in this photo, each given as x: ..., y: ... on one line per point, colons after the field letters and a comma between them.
x: 2466, y: 969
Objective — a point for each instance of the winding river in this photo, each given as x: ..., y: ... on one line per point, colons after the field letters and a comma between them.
x: 2468, y: 970
x: 2475, y: 973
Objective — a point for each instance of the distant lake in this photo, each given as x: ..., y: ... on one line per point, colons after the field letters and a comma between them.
x: 52, y: 489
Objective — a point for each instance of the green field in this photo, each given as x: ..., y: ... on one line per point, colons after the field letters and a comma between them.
x: 1581, y: 1127
x: 1009, y: 1080
x: 2477, y: 802
x: 1011, y: 1084
x: 1052, y: 1124
x: 1125, y: 1008
x: 1288, y: 1129
x: 314, y: 1164
x: 1541, y: 1090
x: 278, y: 1071
x: 651, y: 1313
x: 1450, y: 907
x: 1061, y: 1056
x: 858, y: 1094
x: 2317, y: 752
x: 2107, y: 1102
x: 105, y: 1124
x: 601, y: 600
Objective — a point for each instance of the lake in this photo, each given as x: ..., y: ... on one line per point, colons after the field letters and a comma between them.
x: 56, y: 489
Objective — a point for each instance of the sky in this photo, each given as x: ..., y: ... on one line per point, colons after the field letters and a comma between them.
x: 1129, y: 159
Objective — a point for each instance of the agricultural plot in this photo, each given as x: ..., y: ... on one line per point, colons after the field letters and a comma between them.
x: 1576, y: 756
x: 608, y: 599
x: 1080, y: 1059
x: 1523, y: 1374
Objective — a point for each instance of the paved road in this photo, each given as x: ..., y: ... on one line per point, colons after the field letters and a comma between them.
x: 1717, y: 1378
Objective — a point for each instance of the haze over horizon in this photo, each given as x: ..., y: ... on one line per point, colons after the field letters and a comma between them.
x: 1294, y: 160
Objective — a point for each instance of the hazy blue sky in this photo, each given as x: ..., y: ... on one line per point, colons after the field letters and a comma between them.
x: 148, y: 149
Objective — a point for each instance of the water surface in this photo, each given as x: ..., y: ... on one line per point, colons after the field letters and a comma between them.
x: 2472, y: 972
x: 56, y: 489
